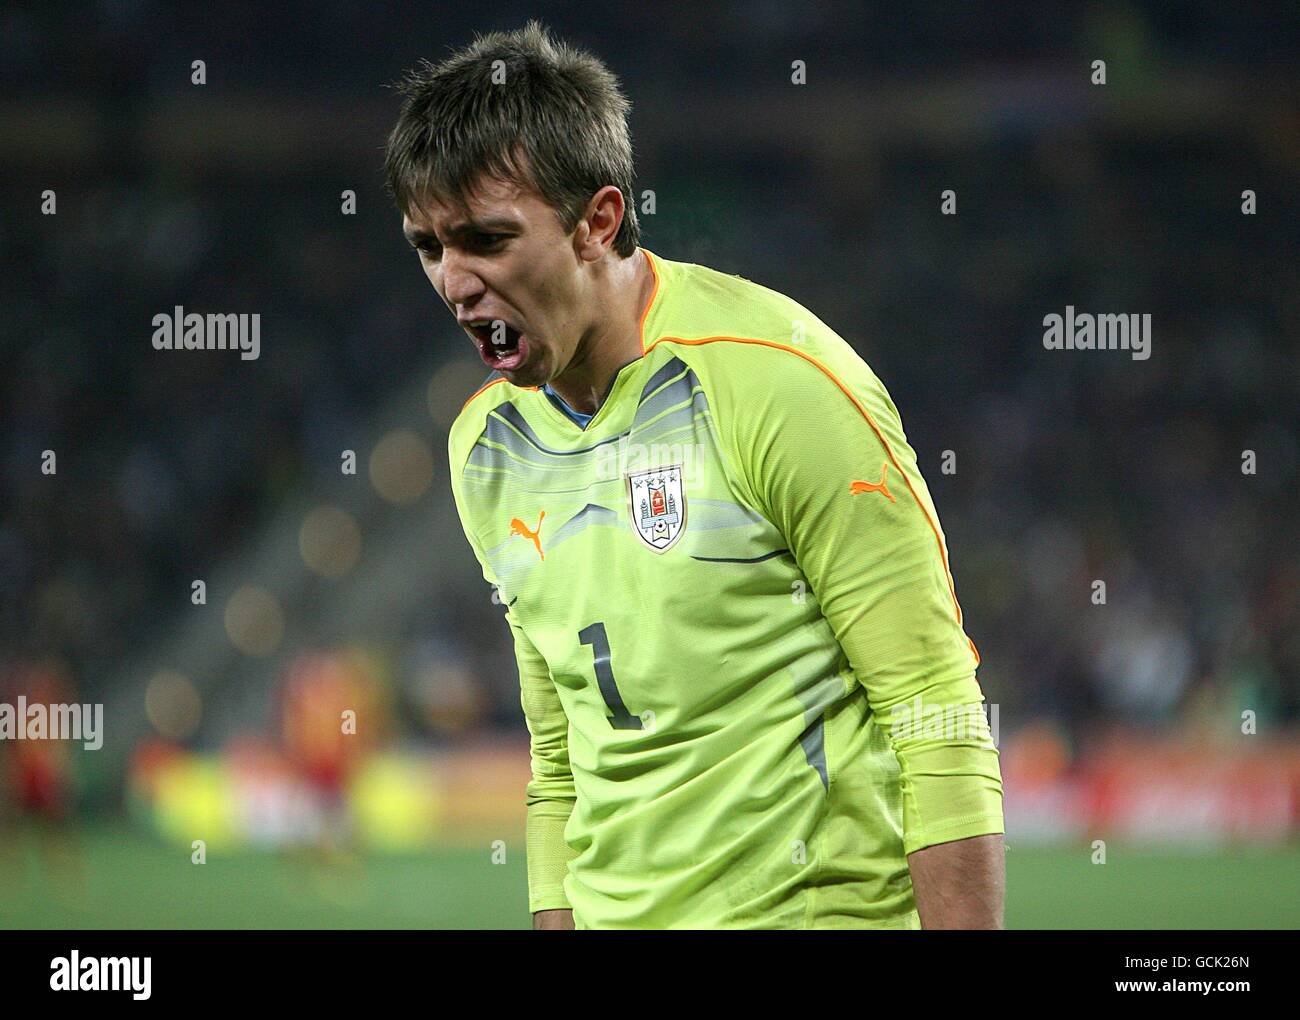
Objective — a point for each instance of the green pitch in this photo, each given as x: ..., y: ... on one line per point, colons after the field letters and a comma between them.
x: 117, y: 878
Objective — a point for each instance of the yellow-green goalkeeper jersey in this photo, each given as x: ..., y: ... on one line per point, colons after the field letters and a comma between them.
x: 725, y: 593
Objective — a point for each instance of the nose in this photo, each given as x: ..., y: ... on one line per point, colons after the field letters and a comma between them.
x: 461, y: 284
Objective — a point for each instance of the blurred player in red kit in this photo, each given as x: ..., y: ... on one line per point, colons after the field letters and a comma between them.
x: 38, y: 777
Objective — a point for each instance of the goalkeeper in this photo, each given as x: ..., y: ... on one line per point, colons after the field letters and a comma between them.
x: 741, y: 658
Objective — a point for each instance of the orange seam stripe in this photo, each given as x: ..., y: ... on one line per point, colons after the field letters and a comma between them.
x: 649, y: 304
x: 482, y: 389
x: 943, y: 556
x: 487, y: 386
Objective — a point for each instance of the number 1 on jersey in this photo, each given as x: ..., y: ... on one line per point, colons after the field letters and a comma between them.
x: 621, y: 719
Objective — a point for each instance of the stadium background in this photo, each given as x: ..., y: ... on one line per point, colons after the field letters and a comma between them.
x: 328, y: 591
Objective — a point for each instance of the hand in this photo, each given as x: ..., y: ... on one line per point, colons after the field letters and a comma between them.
x: 553, y: 919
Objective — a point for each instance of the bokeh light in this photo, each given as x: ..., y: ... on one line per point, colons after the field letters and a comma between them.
x: 330, y: 541
x: 173, y: 705
x: 451, y: 386
x: 401, y: 466
x: 254, y: 621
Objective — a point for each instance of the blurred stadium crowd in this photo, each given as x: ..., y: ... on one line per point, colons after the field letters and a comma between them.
x: 1071, y: 467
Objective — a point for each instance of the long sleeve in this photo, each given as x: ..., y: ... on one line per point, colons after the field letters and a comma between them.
x: 550, y: 793
x: 828, y: 460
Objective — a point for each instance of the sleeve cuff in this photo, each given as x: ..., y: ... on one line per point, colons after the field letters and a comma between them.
x: 548, y: 856
x: 966, y: 828
x: 951, y: 782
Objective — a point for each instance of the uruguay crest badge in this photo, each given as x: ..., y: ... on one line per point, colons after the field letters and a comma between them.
x: 658, y: 505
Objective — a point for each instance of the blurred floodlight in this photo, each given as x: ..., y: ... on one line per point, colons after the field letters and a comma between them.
x: 254, y: 621
x: 401, y: 466
x: 173, y: 705
x: 451, y: 386
x: 330, y: 541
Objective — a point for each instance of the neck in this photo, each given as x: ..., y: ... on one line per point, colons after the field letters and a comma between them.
x: 613, y: 340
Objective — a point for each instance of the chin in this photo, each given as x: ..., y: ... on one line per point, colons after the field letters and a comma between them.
x: 528, y: 376
x: 539, y: 369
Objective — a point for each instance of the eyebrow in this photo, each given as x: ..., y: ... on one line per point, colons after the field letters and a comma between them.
x: 487, y: 226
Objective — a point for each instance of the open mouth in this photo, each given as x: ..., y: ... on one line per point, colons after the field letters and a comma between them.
x: 500, y: 345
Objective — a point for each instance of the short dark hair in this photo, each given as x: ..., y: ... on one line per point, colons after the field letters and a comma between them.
x: 558, y: 108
